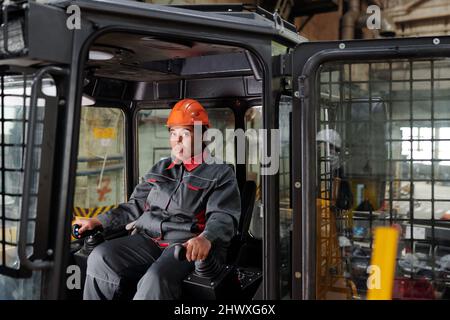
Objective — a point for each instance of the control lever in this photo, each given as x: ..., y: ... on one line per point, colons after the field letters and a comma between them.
x: 93, y: 238
x: 76, y: 231
x: 208, y: 268
x: 211, y: 279
x: 180, y: 252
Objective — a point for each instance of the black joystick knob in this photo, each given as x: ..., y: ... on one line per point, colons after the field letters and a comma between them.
x: 76, y: 231
x: 208, y: 268
x: 179, y: 252
x: 93, y: 238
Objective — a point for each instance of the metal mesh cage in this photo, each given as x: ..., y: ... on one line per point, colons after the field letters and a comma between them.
x: 20, y: 172
x: 393, y: 122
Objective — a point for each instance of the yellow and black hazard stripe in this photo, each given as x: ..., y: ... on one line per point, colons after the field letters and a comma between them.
x: 91, y: 212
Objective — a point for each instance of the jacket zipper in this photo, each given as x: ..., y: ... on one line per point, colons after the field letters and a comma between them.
x: 167, y: 206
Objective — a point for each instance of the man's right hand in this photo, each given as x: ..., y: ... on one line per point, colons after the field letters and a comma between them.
x: 87, y: 224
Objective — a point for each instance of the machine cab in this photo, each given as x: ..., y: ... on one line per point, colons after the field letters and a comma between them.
x: 84, y: 104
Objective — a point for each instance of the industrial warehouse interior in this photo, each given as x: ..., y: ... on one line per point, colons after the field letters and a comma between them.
x: 354, y: 99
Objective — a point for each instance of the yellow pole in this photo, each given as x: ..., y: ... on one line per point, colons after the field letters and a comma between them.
x: 382, y: 269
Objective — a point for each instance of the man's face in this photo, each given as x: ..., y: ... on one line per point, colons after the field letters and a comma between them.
x: 182, y: 142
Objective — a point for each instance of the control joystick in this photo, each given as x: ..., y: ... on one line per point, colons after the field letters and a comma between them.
x: 179, y: 252
x: 93, y: 238
x: 208, y: 268
x: 76, y: 232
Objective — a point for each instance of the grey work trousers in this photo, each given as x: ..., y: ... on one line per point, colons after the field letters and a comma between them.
x: 114, y: 267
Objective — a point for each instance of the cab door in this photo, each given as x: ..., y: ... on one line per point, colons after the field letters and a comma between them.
x: 372, y: 149
x: 35, y: 117
x: 29, y: 112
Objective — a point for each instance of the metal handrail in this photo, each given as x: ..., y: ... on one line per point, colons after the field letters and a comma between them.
x: 28, y: 163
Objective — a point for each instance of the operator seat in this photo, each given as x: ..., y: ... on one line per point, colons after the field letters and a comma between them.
x: 248, y: 195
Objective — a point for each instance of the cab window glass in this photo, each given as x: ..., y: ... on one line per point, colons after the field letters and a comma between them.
x: 253, y: 120
x: 100, y: 176
x: 285, y: 120
x: 382, y: 159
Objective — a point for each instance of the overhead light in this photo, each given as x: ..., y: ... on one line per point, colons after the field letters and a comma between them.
x: 100, y: 55
x: 87, y: 100
x: 49, y: 90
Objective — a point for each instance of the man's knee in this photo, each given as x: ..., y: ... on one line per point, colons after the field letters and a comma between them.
x: 157, y: 284
x: 156, y: 275
x: 97, y: 260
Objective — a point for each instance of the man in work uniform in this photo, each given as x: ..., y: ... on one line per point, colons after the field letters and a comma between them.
x: 181, y: 200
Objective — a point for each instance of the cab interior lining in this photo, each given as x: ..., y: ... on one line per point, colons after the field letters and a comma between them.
x: 137, y: 57
x: 149, y: 68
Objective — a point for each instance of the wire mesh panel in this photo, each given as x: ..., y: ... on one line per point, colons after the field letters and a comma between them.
x: 15, y: 99
x: 383, y: 145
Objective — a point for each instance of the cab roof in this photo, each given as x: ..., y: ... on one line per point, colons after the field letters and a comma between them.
x: 260, y: 22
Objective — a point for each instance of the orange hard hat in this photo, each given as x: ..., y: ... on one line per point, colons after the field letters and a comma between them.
x: 186, y: 112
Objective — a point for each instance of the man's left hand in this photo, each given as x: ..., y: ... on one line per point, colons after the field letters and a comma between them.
x: 197, y: 248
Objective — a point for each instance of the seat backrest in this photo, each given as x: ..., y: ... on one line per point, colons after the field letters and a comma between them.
x: 248, y: 194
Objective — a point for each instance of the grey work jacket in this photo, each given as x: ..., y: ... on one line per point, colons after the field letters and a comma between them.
x: 176, y: 202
